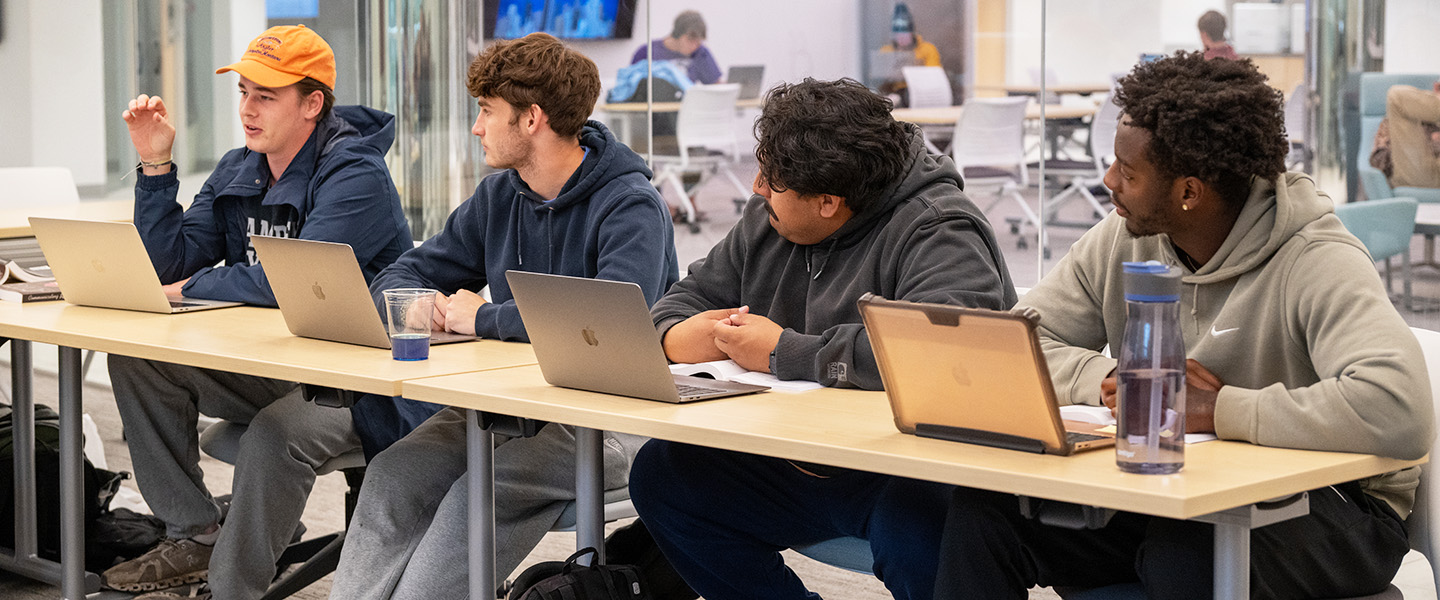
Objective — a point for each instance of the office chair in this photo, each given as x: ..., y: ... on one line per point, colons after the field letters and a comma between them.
x: 929, y: 87
x: 1385, y: 227
x: 1082, y: 175
x: 707, y: 144
x: 989, y: 150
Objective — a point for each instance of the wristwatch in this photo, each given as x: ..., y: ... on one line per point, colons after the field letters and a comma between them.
x: 772, y: 358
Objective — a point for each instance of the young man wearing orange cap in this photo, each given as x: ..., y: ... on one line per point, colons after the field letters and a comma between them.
x: 309, y: 170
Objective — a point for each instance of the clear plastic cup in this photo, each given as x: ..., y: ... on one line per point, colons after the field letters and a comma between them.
x: 408, y: 312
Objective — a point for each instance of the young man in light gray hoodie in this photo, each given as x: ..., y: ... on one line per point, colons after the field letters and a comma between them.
x: 848, y: 201
x: 1291, y: 338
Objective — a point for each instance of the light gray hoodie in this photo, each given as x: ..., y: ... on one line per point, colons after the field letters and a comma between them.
x: 1289, y: 313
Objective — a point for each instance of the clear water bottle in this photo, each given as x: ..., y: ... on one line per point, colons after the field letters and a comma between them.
x: 1150, y: 437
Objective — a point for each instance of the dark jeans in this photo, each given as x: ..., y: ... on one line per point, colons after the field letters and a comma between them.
x: 722, y: 518
x: 1350, y: 544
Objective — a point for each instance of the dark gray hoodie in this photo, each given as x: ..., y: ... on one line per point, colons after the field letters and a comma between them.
x: 924, y: 241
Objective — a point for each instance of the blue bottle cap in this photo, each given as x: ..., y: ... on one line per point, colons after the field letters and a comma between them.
x: 1151, y: 281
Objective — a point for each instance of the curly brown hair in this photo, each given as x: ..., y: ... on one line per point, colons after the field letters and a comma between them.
x: 538, y: 70
x: 830, y: 137
x: 1216, y: 120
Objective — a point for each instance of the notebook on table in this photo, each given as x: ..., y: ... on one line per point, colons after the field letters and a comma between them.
x: 750, y: 77
x: 596, y: 335
x: 971, y: 375
x: 104, y: 264
x: 322, y: 293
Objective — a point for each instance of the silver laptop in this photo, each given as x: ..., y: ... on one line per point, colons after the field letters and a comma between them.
x: 103, y: 263
x: 750, y: 78
x: 322, y: 293
x: 596, y: 335
x: 971, y: 375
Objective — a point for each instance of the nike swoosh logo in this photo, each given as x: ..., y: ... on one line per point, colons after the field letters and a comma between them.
x: 1219, y: 332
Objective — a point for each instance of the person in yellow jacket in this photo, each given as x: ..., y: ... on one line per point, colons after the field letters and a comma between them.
x: 904, y: 38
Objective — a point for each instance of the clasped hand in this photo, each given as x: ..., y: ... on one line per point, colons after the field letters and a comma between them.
x: 1201, y: 389
x: 456, y: 312
x: 733, y: 333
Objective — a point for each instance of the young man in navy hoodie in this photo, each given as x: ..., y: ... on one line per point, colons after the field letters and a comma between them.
x: 311, y: 170
x: 571, y: 201
x: 848, y: 201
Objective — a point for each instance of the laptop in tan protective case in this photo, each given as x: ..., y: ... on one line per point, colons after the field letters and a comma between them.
x: 971, y: 375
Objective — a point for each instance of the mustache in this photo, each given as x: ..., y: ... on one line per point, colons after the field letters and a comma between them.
x: 771, y: 211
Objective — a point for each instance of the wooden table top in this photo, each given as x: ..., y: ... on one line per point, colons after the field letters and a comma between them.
x: 660, y: 107
x: 15, y: 220
x: 249, y: 340
x: 1032, y: 89
x: 948, y: 115
x: 854, y: 429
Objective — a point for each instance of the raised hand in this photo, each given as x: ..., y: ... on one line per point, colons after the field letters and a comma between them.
x: 150, y: 128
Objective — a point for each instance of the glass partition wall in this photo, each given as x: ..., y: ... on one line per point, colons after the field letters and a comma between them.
x: 410, y: 58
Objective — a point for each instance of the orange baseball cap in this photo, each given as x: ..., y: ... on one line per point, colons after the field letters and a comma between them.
x: 284, y: 55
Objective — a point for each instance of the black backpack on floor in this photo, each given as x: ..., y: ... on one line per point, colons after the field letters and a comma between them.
x: 633, y: 545
x: 100, y: 486
x: 567, y: 580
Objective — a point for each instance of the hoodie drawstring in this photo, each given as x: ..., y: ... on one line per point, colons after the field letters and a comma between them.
x: 519, y: 234
x: 824, y: 259
x: 1195, y: 307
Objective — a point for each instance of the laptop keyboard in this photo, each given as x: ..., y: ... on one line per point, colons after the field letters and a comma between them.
x: 1075, y: 437
x: 691, y: 391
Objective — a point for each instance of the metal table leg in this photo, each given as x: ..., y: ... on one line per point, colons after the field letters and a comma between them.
x: 1232, y: 562
x: 480, y: 449
x: 589, y: 492
x: 24, y: 558
x: 23, y: 418
x: 1232, y: 539
x: 72, y: 485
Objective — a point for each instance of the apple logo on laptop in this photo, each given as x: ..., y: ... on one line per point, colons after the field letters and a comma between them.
x: 961, y: 375
x: 99, y: 266
x: 589, y: 335
x: 319, y: 293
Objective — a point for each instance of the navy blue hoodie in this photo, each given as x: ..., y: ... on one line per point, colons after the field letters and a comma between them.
x: 337, y: 184
x: 607, y: 223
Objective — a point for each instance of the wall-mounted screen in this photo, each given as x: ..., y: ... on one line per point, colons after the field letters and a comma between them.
x: 292, y: 9
x: 564, y: 19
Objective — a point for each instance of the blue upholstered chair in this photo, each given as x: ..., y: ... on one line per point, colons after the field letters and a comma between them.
x: 1385, y: 227
x: 1373, y: 89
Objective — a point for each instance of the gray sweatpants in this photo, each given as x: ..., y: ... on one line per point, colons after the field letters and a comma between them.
x: 287, y: 439
x: 409, y: 533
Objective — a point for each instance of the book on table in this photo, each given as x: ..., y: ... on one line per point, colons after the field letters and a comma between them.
x: 24, y: 274
x: 22, y: 260
x: 30, y: 291
x: 1101, y: 415
x: 729, y: 370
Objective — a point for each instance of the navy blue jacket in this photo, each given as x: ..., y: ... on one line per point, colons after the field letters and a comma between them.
x: 338, y: 184
x: 607, y: 223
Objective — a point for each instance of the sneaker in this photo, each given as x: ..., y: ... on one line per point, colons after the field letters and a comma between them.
x: 168, y: 564
x: 199, y: 592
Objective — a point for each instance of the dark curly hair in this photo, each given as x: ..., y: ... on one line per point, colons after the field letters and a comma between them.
x: 830, y: 137
x: 1216, y: 120
x: 538, y: 69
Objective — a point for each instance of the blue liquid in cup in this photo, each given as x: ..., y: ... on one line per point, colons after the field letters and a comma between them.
x: 410, y: 346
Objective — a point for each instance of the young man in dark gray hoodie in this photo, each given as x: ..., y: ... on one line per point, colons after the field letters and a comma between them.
x: 848, y: 202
